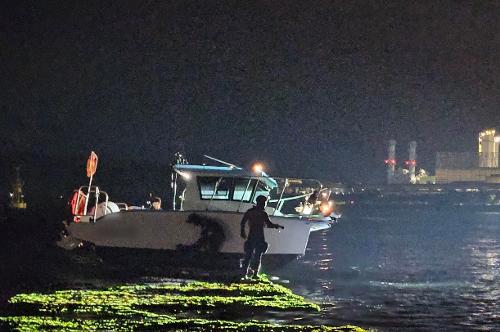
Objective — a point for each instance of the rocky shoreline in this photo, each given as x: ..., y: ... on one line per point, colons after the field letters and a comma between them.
x: 179, y: 305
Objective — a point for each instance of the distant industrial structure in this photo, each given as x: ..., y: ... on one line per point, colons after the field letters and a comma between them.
x: 407, y: 174
x: 17, y: 196
x: 391, y: 162
x: 488, y: 148
x: 480, y: 166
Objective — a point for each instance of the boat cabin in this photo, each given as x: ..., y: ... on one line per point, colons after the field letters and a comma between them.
x: 218, y: 188
x: 225, y: 188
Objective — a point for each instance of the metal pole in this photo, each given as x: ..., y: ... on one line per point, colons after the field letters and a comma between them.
x: 222, y: 162
x: 97, y: 194
x: 174, y: 184
x: 256, y: 188
x: 88, y: 195
x: 213, y: 194
x: 244, y: 193
x: 281, y: 196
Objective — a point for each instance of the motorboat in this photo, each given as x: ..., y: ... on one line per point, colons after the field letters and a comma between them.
x: 208, y: 204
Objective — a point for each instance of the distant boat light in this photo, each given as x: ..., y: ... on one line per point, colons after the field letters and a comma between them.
x: 326, y: 209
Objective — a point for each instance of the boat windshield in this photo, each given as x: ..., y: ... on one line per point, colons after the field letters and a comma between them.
x: 231, y: 188
x: 243, y: 189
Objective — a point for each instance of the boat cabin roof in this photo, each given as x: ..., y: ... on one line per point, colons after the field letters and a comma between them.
x: 224, y: 171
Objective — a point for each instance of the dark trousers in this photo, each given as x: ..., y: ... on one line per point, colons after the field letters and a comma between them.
x: 254, y: 249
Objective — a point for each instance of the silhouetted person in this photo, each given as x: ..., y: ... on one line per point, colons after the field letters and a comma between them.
x: 313, y: 197
x: 255, y: 245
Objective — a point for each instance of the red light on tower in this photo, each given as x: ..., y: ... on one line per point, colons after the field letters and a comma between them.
x: 390, y: 161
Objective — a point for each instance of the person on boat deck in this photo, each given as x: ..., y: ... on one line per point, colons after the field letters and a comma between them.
x: 156, y: 203
x: 255, y: 245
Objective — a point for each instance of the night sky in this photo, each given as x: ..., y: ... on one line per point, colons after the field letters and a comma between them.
x: 314, y: 88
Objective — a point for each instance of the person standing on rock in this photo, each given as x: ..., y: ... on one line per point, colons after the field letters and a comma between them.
x: 255, y: 245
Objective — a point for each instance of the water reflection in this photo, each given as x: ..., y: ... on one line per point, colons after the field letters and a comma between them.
x: 424, y: 269
x: 325, y: 260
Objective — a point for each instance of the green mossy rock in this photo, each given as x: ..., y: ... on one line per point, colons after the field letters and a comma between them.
x: 183, y: 306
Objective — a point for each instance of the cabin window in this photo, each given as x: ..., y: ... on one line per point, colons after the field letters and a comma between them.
x: 243, y: 189
x: 208, y: 185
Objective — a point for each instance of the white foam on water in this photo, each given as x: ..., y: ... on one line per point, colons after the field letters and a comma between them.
x: 420, y: 285
x: 495, y: 213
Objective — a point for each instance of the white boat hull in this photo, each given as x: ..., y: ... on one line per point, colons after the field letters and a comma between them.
x: 169, y: 230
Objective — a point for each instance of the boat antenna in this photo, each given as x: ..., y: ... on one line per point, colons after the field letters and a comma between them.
x: 221, y: 161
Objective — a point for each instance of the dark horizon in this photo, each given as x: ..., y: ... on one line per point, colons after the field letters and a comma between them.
x: 313, y: 90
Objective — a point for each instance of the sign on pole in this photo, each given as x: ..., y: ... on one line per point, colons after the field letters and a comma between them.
x: 92, y: 164
x: 91, y: 169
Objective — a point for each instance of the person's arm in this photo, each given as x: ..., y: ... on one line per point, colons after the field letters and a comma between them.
x: 272, y: 225
x: 243, y: 222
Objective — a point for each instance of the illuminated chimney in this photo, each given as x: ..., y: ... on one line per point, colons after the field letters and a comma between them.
x: 497, y: 150
x: 412, y: 162
x: 391, y: 161
x: 488, y: 148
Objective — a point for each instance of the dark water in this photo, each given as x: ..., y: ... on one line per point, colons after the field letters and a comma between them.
x: 392, y: 269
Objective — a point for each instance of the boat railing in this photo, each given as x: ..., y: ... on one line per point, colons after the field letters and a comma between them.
x: 122, y: 206
x: 308, y: 208
x: 96, y: 193
x: 305, y: 209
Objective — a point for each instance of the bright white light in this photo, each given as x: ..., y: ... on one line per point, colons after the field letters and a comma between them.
x: 497, y: 139
x: 258, y: 168
x: 307, y: 210
x: 185, y: 175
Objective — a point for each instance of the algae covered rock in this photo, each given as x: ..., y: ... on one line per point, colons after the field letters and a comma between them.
x: 188, y: 306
